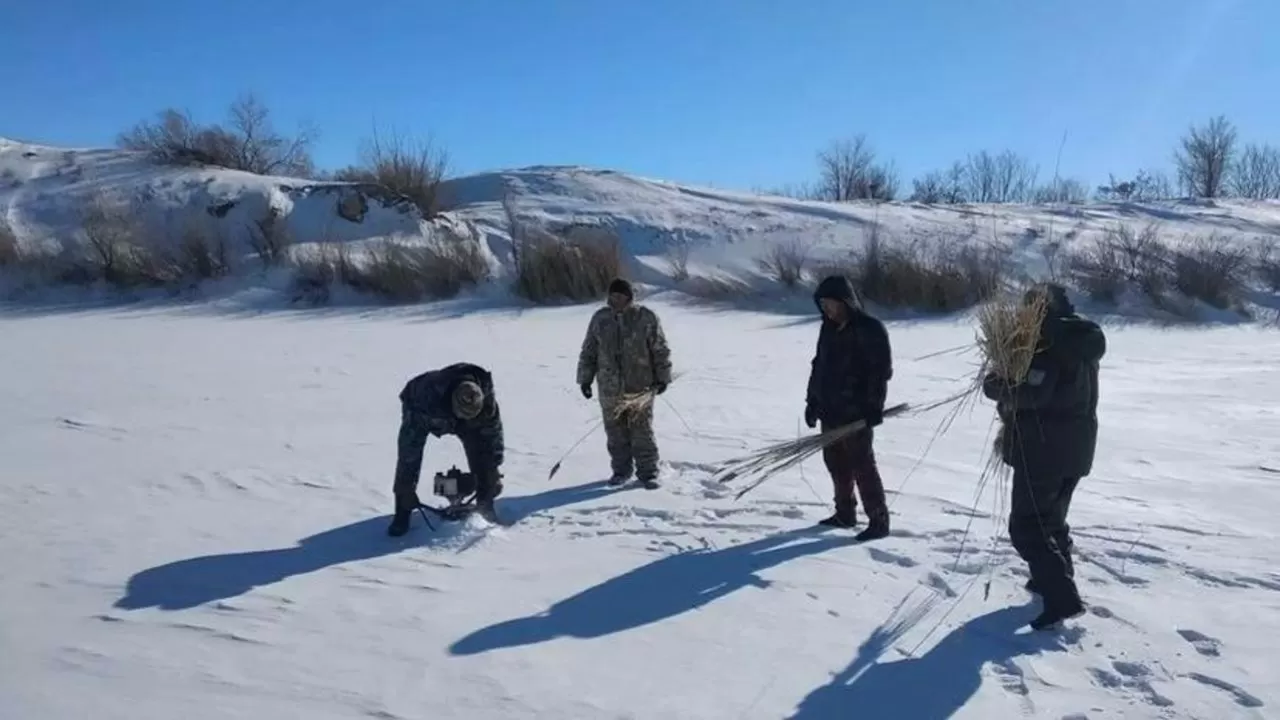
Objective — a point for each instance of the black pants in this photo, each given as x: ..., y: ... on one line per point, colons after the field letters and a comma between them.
x: 412, y: 440
x: 1040, y: 533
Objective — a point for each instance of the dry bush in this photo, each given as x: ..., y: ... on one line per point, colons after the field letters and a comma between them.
x: 923, y: 275
x: 1120, y: 259
x: 1267, y: 263
x: 551, y: 269
x: 785, y: 263
x: 413, y: 169
x: 317, y: 270
x: 10, y: 250
x: 678, y: 260
x: 576, y: 265
x: 1256, y: 174
x: 437, y: 270
x: 269, y: 238
x: 1212, y: 270
x: 248, y: 142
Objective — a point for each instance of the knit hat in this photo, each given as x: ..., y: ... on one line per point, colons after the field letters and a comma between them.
x: 621, y: 287
x: 468, y: 400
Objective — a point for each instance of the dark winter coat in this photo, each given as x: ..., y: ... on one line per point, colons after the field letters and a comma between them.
x: 850, y: 373
x: 430, y: 395
x: 1051, y: 418
x: 624, y: 352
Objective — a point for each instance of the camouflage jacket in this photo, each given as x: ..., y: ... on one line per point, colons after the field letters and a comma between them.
x: 624, y: 352
x: 428, y: 398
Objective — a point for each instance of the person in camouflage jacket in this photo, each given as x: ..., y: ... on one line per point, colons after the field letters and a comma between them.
x: 1048, y: 438
x: 625, y: 352
x: 455, y: 400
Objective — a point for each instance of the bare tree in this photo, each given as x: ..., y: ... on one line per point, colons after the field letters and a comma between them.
x: 1004, y: 178
x: 248, y: 142
x: 1062, y: 190
x: 1204, y: 158
x: 1256, y: 175
x: 848, y: 171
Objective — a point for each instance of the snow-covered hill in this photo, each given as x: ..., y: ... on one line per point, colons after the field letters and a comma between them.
x: 43, y: 191
x: 193, y: 510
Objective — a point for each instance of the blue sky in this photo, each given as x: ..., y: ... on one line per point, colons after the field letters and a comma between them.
x: 734, y: 93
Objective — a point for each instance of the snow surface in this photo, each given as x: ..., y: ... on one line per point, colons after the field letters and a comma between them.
x: 193, y: 505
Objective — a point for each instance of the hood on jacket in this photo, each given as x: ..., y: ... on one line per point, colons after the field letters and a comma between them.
x: 837, y: 287
x: 1059, y: 304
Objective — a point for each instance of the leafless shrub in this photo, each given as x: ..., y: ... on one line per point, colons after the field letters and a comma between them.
x: 1267, y: 263
x: 1256, y: 174
x: 1118, y: 260
x: 248, y: 142
x: 269, y: 238
x: 1204, y: 158
x: 923, y: 275
x: 941, y: 187
x: 785, y: 263
x: 848, y: 171
x: 1144, y: 187
x: 551, y: 268
x: 414, y: 169
x: 10, y: 250
x: 1211, y: 269
x: 391, y: 271
x: 678, y: 260
x: 1004, y: 178
x: 1062, y: 190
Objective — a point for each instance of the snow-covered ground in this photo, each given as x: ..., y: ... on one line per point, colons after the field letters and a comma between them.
x: 193, y: 506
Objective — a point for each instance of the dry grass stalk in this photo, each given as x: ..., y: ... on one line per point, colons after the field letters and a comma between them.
x: 1008, y: 334
x: 773, y: 459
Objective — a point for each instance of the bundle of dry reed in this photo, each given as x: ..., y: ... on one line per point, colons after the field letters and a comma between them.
x: 1009, y: 334
x: 773, y: 459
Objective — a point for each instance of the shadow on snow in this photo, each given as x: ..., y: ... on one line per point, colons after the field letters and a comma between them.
x: 933, y: 686
x: 651, y: 593
x: 187, y: 583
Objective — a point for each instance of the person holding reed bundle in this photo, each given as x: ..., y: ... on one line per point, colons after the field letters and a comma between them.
x: 625, y: 353
x: 848, y: 382
x: 1049, y: 430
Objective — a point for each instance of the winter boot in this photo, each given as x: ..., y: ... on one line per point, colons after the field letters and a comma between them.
x: 649, y: 483
x: 405, y: 505
x: 618, y: 480
x: 1055, y: 612
x: 845, y: 516
x: 877, y: 526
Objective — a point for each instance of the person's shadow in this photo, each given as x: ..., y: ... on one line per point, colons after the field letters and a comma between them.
x: 933, y: 686
x: 187, y: 583
x: 650, y: 593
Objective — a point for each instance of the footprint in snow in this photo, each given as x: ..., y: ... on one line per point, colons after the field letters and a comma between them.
x: 1203, y: 644
x: 1242, y: 698
x: 891, y: 558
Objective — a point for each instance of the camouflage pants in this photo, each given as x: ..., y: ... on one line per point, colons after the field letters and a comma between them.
x: 630, y: 440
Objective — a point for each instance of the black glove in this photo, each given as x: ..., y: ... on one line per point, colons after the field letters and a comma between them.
x: 586, y: 390
x: 810, y: 416
x: 874, y: 417
x: 659, y: 388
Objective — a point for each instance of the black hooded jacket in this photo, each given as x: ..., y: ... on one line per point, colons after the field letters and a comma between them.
x: 430, y: 395
x: 851, y: 369
x: 1050, y: 419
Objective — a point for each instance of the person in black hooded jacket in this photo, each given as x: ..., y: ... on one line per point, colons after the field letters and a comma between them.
x: 848, y: 381
x: 1048, y: 436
